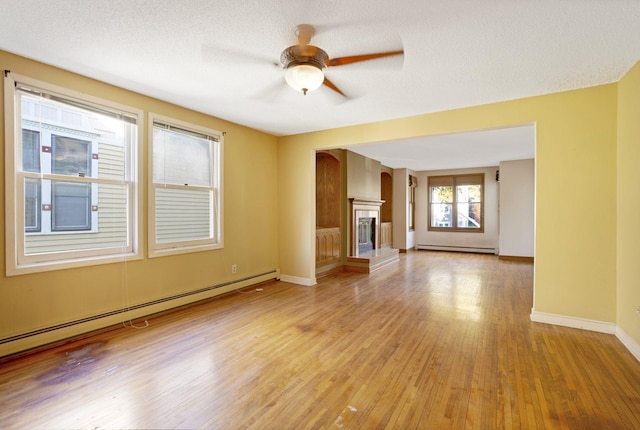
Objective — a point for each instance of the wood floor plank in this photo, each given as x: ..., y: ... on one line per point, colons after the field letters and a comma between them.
x: 439, y: 340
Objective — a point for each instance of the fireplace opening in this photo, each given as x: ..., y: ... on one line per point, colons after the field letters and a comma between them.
x: 366, y: 234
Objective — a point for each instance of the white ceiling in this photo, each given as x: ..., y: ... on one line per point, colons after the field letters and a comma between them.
x: 483, y: 148
x: 218, y: 57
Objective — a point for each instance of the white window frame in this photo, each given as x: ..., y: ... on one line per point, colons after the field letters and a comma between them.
x: 17, y: 263
x: 156, y: 249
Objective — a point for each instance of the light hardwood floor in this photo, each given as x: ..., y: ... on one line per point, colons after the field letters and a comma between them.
x: 436, y: 341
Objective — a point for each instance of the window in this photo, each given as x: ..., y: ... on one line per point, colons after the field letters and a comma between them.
x: 185, y: 193
x: 72, y: 193
x: 456, y: 203
x: 413, y: 183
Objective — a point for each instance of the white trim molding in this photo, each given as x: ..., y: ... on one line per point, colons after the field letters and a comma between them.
x: 591, y: 325
x: 475, y: 249
x: 574, y: 322
x: 308, y: 282
x: 628, y: 342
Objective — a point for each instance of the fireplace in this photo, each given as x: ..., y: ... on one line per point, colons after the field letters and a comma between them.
x: 365, y: 226
x: 366, y: 234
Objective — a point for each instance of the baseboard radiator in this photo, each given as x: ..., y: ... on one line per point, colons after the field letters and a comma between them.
x: 248, y: 280
x: 458, y: 248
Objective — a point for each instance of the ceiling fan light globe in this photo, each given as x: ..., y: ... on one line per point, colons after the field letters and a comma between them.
x: 303, y: 77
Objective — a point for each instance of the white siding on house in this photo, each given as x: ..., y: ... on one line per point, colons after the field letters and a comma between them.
x: 183, y: 214
x: 112, y: 212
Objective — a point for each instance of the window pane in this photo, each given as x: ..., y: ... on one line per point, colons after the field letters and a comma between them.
x: 111, y: 164
x: 32, y: 204
x: 180, y: 158
x: 468, y: 193
x: 71, y: 206
x: 111, y: 230
x: 183, y: 215
x: 30, y: 151
x: 469, y: 215
x: 442, y: 194
x: 71, y: 156
x: 441, y: 215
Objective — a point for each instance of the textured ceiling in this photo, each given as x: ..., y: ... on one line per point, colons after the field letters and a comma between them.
x: 482, y: 148
x: 218, y: 57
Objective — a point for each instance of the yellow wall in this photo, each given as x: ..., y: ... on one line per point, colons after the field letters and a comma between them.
x: 628, y: 203
x: 363, y: 176
x: 270, y: 208
x: 35, y: 301
x: 575, y: 269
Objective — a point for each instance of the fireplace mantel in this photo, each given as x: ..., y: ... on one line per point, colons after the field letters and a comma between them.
x: 366, y: 202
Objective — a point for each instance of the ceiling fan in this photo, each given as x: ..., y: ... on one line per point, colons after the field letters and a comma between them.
x: 304, y: 63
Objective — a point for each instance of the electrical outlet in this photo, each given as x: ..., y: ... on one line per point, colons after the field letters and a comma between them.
x: 234, y: 268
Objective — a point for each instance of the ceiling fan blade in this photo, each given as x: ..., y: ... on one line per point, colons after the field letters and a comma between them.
x: 328, y: 83
x: 341, y: 61
x: 271, y: 93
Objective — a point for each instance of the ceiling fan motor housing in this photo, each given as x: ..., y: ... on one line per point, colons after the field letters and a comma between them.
x: 304, y: 55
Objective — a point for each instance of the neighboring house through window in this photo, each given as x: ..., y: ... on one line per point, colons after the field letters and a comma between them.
x: 66, y: 206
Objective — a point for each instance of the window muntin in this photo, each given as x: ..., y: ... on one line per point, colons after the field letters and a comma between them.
x: 72, y: 193
x: 456, y: 203
x: 185, y: 195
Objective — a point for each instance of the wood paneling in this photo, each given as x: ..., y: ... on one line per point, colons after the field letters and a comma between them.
x: 328, y: 208
x: 386, y: 194
x: 386, y: 234
x: 328, y: 190
x: 436, y: 341
x: 328, y: 246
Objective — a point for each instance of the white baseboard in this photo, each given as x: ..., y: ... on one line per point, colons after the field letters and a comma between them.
x: 591, y: 325
x: 573, y: 322
x: 628, y: 342
x: 475, y: 249
x: 308, y: 282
